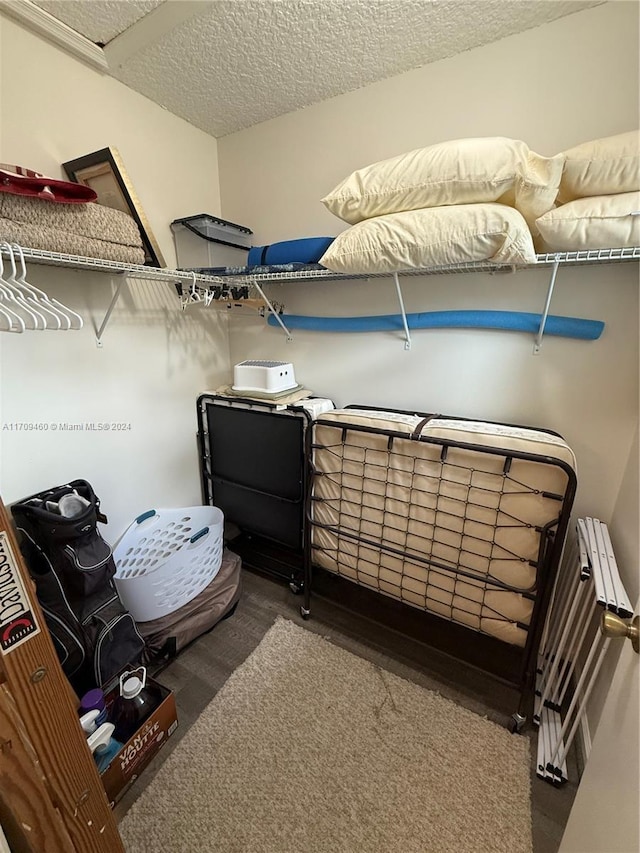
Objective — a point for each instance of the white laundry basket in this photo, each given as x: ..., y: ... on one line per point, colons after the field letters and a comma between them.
x: 166, y: 557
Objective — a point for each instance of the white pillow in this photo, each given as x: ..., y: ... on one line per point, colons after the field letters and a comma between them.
x: 602, y: 222
x: 432, y: 237
x: 461, y: 171
x: 602, y: 167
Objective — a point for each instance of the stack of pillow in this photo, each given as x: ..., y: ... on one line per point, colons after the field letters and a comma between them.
x: 483, y: 199
x: 599, y: 198
x: 451, y: 203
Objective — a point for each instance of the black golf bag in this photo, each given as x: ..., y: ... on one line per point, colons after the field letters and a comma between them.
x: 73, y: 569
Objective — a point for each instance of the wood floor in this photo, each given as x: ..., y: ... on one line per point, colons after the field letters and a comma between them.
x: 201, y: 670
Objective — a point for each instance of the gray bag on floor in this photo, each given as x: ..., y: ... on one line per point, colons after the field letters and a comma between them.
x: 167, y: 636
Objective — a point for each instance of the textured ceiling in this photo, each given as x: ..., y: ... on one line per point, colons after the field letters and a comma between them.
x: 100, y: 21
x: 235, y: 63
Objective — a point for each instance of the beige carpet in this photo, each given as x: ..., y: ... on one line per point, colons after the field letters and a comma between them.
x: 310, y: 749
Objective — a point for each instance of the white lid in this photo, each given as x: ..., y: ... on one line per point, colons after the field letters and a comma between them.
x: 88, y: 721
x: 131, y: 687
x: 99, y: 740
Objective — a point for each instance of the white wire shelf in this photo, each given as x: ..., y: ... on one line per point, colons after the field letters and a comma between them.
x: 40, y: 256
x: 594, y: 256
x: 591, y: 256
x: 208, y: 289
x: 190, y: 286
x: 58, y: 259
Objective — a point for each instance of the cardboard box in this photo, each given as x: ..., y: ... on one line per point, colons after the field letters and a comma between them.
x: 145, y: 744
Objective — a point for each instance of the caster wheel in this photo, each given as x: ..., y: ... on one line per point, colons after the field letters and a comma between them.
x: 516, y: 723
x: 296, y: 588
x: 305, y: 613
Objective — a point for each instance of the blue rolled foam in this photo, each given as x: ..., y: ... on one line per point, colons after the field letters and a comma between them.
x: 513, y: 321
x: 306, y: 250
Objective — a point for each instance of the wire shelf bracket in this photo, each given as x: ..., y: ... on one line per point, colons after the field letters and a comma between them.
x: 545, y: 311
x: 273, y: 311
x: 407, y: 334
x: 100, y: 331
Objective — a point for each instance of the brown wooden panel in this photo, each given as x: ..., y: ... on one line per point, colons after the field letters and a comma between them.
x: 24, y: 800
x: 43, y: 700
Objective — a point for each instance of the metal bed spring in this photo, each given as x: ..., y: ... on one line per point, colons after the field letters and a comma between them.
x: 453, y: 549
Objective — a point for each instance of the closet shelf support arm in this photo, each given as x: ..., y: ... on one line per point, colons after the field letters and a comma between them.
x: 107, y: 316
x: 407, y: 334
x: 545, y: 313
x: 272, y: 309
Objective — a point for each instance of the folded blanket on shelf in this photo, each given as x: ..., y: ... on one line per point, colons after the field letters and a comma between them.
x: 94, y: 221
x: 58, y: 240
x: 307, y: 250
x: 283, y: 398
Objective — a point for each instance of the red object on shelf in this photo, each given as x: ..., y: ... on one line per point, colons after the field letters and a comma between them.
x: 20, y: 181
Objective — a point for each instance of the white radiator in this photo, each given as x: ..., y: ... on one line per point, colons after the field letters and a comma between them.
x: 573, y: 648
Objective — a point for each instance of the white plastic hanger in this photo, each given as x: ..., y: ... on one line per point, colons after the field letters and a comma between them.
x: 33, y: 319
x: 56, y: 319
x: 53, y: 318
x: 56, y: 315
x: 194, y: 293
x: 71, y: 319
x: 15, y: 321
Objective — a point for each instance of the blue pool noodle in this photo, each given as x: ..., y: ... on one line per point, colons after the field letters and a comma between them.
x: 513, y: 321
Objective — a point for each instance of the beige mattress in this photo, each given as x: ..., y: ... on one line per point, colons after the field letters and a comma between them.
x: 91, y: 220
x: 379, y: 505
x: 89, y: 230
x: 57, y: 240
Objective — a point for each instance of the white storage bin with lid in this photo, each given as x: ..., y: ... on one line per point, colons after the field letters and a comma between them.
x: 166, y: 557
x: 204, y: 241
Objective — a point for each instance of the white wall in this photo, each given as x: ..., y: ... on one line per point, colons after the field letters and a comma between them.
x: 155, y: 360
x: 554, y: 86
x: 55, y: 108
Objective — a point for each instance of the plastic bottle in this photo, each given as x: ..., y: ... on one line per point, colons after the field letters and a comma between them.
x: 94, y: 700
x: 134, y: 705
x: 103, y: 746
x: 104, y: 755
